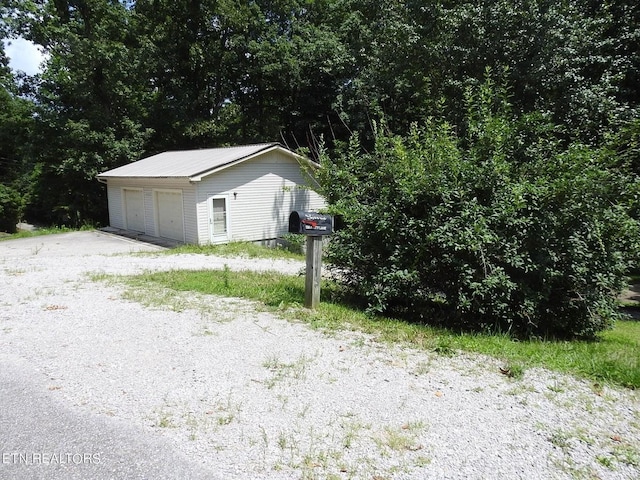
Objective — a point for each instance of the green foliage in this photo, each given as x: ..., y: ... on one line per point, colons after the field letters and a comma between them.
x: 479, y: 232
x: 39, y: 232
x: 234, y: 249
x: 578, y: 60
x: 10, y: 209
x: 294, y: 243
x: 88, y: 106
x: 127, y: 79
x: 232, y: 71
x: 16, y: 125
x: 626, y: 142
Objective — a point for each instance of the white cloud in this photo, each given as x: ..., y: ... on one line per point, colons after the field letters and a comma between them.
x: 24, y: 55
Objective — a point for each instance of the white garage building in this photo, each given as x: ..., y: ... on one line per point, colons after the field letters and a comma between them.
x: 212, y: 195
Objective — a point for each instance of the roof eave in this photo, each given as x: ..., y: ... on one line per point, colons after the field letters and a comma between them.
x: 199, y: 176
x: 178, y: 177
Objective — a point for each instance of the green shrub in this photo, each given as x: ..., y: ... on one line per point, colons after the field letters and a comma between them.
x: 294, y: 243
x: 483, y: 231
x: 10, y: 209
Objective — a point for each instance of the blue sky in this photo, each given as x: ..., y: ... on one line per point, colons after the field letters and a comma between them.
x: 23, y: 55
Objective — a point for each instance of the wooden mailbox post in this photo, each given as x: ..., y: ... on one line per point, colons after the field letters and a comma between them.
x: 315, y: 226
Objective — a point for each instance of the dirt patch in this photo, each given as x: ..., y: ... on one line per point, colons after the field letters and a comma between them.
x: 631, y: 294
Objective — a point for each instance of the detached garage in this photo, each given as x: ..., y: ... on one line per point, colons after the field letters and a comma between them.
x: 212, y: 195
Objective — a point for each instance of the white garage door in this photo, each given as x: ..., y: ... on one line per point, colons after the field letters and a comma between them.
x: 134, y: 210
x: 170, y: 224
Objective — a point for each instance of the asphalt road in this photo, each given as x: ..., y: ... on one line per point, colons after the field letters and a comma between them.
x: 41, y: 438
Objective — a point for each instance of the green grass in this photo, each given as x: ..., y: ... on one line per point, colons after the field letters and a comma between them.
x: 271, y: 288
x: 613, y: 358
x: 44, y: 231
x: 234, y: 249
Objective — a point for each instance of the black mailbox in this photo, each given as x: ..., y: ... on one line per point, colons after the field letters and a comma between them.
x: 310, y: 223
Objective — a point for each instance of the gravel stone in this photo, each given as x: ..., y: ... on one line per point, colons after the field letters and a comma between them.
x: 230, y: 391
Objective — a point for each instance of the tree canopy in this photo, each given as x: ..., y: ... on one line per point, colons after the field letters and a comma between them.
x: 474, y: 231
x: 478, y: 122
x: 125, y: 79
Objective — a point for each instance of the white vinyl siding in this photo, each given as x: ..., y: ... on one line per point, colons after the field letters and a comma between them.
x: 261, y: 194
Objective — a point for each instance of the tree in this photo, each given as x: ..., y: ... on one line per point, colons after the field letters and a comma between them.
x: 235, y: 72
x: 89, y: 105
x: 295, y: 62
x: 576, y: 61
x: 191, y: 69
x: 127, y: 79
x: 483, y: 232
x: 16, y: 125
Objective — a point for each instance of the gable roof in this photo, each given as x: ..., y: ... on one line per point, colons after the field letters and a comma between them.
x: 195, y: 164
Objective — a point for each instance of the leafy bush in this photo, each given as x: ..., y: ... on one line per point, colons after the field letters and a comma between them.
x: 294, y: 243
x: 483, y: 231
x: 10, y: 209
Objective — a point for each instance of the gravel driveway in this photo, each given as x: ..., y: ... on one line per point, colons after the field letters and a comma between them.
x: 95, y: 386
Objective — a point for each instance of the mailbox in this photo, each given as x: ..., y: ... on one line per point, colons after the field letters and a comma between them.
x: 310, y: 223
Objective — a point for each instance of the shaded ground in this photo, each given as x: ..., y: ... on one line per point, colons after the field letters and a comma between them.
x: 630, y: 298
x: 162, y: 242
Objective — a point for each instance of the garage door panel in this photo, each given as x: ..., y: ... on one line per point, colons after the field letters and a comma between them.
x: 170, y: 216
x: 134, y: 210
